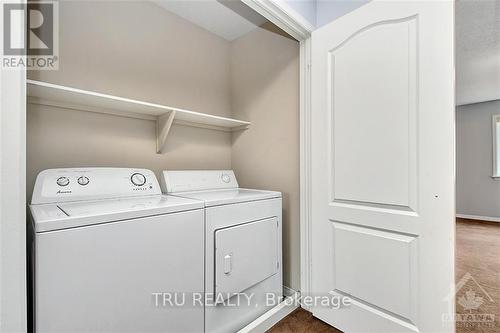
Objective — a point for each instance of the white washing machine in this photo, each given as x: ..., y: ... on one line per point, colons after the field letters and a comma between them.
x: 109, y: 247
x: 243, y: 265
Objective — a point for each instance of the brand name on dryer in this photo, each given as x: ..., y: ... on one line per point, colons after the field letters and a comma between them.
x: 64, y: 192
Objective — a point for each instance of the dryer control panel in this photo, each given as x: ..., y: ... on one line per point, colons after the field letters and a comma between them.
x: 74, y: 184
x: 197, y: 180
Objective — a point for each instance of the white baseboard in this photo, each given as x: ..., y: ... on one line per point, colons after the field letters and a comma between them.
x: 274, y: 315
x: 479, y: 217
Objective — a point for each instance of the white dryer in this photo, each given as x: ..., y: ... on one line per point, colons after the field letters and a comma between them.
x: 108, y: 247
x: 243, y: 264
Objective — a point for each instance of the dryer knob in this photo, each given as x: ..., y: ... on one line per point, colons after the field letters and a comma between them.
x: 226, y: 178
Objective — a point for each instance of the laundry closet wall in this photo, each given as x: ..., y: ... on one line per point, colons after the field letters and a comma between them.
x: 137, y: 50
x: 265, y: 91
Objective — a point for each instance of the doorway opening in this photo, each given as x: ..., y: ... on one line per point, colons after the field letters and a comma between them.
x: 477, y: 166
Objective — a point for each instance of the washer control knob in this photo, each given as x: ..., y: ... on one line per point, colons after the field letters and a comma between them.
x: 82, y: 180
x: 225, y: 178
x: 138, y: 179
x: 62, y: 181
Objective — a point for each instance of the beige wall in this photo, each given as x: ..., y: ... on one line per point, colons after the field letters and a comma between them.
x: 136, y: 50
x: 141, y: 51
x: 64, y: 138
x: 265, y: 91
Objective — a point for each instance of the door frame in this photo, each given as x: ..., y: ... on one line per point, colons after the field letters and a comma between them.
x: 13, y: 303
x: 286, y: 18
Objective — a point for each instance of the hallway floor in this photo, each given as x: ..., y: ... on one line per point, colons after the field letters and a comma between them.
x: 302, y: 321
x: 477, y: 274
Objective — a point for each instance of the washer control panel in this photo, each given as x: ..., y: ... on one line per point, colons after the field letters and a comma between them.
x: 73, y: 184
x: 197, y: 180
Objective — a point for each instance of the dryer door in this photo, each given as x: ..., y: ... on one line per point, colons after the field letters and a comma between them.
x: 245, y: 255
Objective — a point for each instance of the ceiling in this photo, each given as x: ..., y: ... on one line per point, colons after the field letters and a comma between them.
x: 477, y: 38
x: 477, y: 50
x: 227, y: 19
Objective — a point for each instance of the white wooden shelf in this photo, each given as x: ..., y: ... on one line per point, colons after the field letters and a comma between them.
x: 72, y: 98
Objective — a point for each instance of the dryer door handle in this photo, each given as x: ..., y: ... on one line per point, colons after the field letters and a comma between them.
x: 228, y: 265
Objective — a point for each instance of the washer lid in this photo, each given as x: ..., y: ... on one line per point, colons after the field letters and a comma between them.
x: 229, y: 196
x: 76, y: 214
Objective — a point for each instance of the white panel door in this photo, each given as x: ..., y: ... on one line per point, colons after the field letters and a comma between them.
x: 383, y: 167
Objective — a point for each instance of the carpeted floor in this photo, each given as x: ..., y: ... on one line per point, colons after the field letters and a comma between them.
x: 477, y: 272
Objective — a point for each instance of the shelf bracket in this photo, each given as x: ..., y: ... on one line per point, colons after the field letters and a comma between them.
x: 163, y: 125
